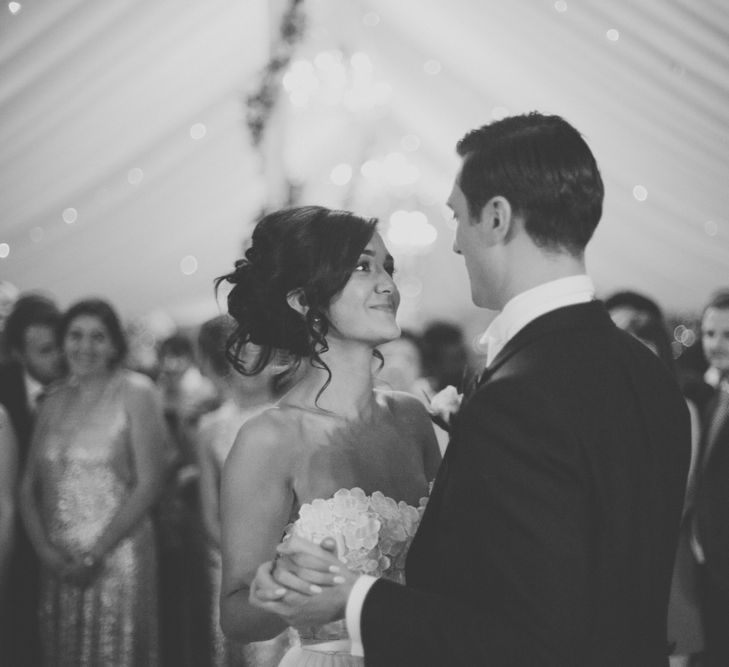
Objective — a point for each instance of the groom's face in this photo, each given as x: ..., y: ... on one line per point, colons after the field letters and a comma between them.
x: 469, y: 243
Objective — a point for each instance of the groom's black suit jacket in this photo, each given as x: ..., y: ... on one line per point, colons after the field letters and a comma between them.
x: 550, y: 533
x: 14, y: 397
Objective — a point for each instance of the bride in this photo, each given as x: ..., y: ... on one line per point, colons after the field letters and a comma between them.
x: 317, y: 285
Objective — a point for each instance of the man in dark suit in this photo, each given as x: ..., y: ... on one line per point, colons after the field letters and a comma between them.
x: 35, y: 362
x: 711, y: 502
x: 550, y: 533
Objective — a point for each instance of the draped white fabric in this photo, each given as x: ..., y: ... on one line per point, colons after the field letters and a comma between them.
x: 132, y: 114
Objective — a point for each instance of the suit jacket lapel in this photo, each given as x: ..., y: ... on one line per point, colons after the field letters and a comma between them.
x: 714, y: 433
x: 588, y: 314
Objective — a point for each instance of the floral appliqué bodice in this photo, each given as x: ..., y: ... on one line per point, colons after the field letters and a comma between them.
x: 373, y: 534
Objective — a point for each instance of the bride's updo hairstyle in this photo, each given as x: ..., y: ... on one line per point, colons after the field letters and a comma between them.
x: 311, y: 249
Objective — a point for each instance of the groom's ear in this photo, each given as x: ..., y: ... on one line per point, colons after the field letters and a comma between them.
x: 296, y: 299
x: 497, y: 221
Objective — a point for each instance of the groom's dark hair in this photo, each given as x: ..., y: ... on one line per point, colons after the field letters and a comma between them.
x: 544, y: 168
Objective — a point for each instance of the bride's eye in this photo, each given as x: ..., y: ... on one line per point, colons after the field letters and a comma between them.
x: 364, y: 265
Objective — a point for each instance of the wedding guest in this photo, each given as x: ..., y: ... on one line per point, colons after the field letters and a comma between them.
x: 35, y: 362
x: 93, y: 474
x: 445, y: 356
x: 711, y: 505
x: 244, y: 396
x: 186, y: 394
x: 8, y: 490
x: 643, y: 318
x: 8, y: 295
x: 317, y: 284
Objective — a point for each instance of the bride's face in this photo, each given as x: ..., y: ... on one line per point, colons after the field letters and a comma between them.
x: 365, y: 309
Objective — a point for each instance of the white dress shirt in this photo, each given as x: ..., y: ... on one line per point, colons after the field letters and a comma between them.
x: 33, y: 390
x: 527, y: 306
x: 517, y: 313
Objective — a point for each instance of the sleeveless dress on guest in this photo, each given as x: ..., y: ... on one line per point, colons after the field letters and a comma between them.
x: 373, y: 534
x: 86, y: 473
x: 220, y: 428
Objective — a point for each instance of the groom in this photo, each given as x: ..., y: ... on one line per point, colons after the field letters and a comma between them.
x: 550, y: 533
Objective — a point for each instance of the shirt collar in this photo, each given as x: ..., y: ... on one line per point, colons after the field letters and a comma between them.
x: 527, y: 306
x: 33, y: 388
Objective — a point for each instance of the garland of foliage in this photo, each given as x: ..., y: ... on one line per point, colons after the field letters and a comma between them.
x: 260, y: 102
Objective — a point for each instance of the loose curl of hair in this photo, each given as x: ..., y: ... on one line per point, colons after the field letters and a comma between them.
x: 310, y: 248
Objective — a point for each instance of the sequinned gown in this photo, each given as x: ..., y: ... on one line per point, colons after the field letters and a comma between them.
x: 86, y: 474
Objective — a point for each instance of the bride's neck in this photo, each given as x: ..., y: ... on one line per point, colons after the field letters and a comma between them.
x: 349, y: 393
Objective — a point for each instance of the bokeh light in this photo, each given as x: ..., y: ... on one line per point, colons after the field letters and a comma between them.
x: 341, y: 174
x: 70, y: 215
x: 135, y: 176
x: 198, y: 131
x: 4, y: 250
x: 640, y: 193
x: 188, y: 265
x: 410, y: 231
x: 711, y: 228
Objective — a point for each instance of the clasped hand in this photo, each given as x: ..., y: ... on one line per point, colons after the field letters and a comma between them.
x: 71, y: 567
x: 306, y: 584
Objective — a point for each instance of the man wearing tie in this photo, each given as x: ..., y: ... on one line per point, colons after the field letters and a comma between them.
x: 711, y: 504
x: 35, y: 361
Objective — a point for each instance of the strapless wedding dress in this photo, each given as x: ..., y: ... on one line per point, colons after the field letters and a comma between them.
x: 373, y: 534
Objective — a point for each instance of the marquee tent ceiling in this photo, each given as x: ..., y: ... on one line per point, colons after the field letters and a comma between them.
x: 127, y: 169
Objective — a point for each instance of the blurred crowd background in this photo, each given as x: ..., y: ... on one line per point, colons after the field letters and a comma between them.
x: 117, y: 533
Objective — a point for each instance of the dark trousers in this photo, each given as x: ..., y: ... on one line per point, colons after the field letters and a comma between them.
x: 183, y: 581
x: 19, y: 627
x: 715, y: 616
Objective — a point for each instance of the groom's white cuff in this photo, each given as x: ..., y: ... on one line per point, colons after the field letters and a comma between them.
x: 355, y: 602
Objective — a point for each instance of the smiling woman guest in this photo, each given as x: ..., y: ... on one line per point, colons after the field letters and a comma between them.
x: 94, y: 470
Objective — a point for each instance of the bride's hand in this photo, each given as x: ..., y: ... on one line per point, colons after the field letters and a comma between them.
x: 305, y: 567
x: 302, y: 567
x: 305, y: 585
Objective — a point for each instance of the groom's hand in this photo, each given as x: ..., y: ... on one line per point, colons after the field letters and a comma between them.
x: 305, y: 585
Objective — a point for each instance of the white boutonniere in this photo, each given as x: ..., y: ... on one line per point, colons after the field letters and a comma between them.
x: 444, y: 405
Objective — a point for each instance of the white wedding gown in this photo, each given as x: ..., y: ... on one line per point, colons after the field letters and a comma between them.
x: 373, y: 534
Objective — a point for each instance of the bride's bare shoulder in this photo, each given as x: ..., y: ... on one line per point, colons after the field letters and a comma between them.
x: 403, y: 405
x: 271, y: 433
